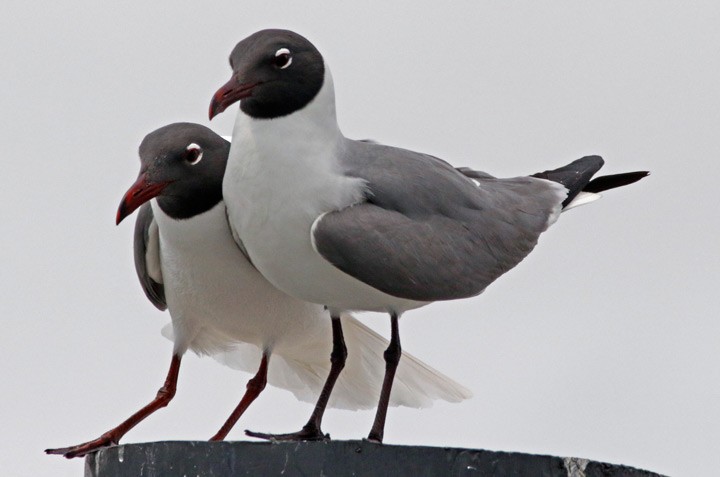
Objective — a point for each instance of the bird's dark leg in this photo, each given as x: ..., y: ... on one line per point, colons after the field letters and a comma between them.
x: 392, y: 358
x: 311, y: 431
x: 253, y: 389
x: 113, y: 436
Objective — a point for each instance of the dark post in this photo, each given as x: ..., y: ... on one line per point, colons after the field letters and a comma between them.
x: 333, y: 459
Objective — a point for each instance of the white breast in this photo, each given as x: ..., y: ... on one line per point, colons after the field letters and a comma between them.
x: 217, y: 298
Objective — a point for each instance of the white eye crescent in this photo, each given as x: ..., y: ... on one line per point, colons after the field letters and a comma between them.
x: 282, y: 58
x: 193, y: 154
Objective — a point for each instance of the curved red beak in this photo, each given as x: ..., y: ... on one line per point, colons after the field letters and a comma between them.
x: 229, y: 93
x: 139, y: 193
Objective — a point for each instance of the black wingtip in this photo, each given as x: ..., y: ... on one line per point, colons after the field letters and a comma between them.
x: 613, y: 181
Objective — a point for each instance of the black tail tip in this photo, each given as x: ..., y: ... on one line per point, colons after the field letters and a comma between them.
x: 613, y: 181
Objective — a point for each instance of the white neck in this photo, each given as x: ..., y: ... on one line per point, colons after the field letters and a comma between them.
x: 296, y: 155
x: 306, y: 128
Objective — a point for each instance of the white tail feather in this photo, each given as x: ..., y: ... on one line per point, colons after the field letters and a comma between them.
x: 358, y: 387
x: 581, y: 199
x: 416, y: 384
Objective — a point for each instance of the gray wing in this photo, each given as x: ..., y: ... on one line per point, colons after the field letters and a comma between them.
x: 426, y: 231
x: 146, y: 246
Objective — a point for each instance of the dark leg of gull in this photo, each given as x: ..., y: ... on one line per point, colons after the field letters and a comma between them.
x: 311, y: 431
x: 253, y: 389
x: 113, y: 436
x: 392, y: 358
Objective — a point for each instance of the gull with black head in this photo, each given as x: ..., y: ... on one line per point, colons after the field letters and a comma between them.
x: 361, y: 226
x: 187, y: 261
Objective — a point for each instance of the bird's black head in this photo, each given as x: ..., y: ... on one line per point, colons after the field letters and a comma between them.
x: 181, y: 164
x: 275, y: 73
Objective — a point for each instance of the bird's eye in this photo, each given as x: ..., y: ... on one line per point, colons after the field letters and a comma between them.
x: 193, y: 154
x: 282, y: 58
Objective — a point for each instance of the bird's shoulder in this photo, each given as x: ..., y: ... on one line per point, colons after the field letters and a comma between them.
x: 406, y: 181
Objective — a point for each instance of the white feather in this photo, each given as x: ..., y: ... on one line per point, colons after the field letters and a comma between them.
x: 581, y: 199
x: 358, y: 387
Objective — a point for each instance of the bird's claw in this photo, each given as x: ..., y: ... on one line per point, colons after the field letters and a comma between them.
x: 306, y: 434
x: 81, y: 450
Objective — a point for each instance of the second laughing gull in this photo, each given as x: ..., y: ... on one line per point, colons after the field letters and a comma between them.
x: 361, y: 226
x: 188, y: 261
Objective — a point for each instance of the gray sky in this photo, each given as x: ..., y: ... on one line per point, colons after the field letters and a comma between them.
x: 603, y: 344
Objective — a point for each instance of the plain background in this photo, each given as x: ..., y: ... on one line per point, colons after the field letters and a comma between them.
x: 603, y: 344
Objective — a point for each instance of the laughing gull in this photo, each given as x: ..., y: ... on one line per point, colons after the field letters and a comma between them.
x: 361, y: 226
x: 187, y: 260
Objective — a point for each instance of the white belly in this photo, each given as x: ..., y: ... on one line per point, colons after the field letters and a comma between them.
x: 216, y: 298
